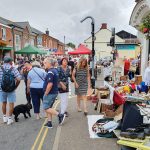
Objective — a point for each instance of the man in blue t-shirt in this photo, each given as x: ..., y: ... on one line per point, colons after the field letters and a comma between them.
x: 50, y: 88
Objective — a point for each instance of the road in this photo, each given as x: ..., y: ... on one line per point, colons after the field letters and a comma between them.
x: 29, y: 134
x: 22, y: 135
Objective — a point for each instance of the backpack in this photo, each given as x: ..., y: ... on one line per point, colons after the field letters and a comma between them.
x: 8, y: 80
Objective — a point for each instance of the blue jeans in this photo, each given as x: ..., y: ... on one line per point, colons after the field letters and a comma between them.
x: 7, y: 97
x: 36, y: 95
x: 48, y: 101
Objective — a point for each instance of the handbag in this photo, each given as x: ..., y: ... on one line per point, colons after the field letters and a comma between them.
x: 59, y: 85
x: 133, y: 68
x: 118, y: 99
x: 62, y: 73
x: 145, y: 112
x: 98, y: 128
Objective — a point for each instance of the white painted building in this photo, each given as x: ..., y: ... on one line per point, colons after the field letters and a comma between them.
x: 102, y: 39
x: 140, y: 11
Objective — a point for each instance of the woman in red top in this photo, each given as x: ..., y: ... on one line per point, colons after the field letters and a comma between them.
x: 126, y: 66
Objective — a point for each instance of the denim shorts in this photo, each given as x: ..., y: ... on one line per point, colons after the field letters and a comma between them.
x: 48, y: 101
x: 8, y: 97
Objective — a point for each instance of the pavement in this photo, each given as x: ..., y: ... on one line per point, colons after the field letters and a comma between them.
x: 75, y: 135
x: 30, y: 134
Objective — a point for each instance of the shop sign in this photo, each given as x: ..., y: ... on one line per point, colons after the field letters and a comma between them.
x: 125, y: 47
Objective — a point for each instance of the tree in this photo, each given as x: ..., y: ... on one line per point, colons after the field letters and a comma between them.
x: 71, y: 45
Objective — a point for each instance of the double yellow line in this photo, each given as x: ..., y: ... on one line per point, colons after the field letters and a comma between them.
x: 39, y: 143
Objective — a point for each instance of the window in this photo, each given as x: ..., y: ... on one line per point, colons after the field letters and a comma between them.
x: 3, y: 34
x: 17, y: 42
x: 39, y: 40
x: 32, y: 42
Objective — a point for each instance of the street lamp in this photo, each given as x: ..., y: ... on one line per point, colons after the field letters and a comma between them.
x: 93, y: 51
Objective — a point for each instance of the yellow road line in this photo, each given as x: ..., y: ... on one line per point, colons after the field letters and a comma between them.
x: 43, y: 138
x: 45, y: 133
x: 55, y: 105
x: 38, y: 136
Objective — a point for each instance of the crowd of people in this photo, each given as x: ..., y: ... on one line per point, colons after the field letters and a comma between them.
x: 45, y: 79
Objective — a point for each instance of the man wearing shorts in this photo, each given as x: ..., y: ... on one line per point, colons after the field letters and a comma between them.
x: 8, y: 97
x: 50, y: 88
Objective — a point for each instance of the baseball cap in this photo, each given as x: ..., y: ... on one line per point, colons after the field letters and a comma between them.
x: 7, y: 59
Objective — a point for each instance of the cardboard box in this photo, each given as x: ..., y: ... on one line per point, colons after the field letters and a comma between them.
x: 138, y: 79
x: 123, y: 78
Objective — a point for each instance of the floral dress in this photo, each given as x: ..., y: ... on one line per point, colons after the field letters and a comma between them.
x: 63, y: 77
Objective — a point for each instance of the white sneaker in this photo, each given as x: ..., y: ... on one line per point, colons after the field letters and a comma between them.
x: 5, y: 119
x: 10, y: 121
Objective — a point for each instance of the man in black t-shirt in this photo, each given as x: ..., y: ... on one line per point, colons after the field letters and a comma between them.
x: 50, y: 88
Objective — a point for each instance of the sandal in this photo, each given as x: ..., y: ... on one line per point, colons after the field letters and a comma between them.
x: 85, y: 113
x: 79, y: 110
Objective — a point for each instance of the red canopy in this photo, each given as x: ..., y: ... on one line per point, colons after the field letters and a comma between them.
x: 82, y: 50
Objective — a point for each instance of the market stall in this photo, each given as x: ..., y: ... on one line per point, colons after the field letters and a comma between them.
x: 127, y: 103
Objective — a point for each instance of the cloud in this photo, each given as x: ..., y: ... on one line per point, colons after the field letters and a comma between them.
x: 62, y: 17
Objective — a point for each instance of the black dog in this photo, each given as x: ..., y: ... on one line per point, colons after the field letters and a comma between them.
x: 23, y: 108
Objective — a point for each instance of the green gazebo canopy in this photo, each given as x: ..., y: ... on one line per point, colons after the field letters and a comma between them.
x: 30, y: 50
x: 7, y: 48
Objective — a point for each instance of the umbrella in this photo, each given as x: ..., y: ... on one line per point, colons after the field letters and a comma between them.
x: 30, y: 50
x: 82, y: 50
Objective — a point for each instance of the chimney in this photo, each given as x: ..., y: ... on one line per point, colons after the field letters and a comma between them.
x: 47, y: 31
x: 104, y: 26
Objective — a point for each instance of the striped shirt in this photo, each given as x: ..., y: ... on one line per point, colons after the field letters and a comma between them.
x: 14, y: 71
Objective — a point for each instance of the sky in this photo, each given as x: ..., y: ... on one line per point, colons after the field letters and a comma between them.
x: 62, y: 17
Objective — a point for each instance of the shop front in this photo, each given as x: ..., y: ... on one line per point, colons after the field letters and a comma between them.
x: 140, y: 12
x: 5, y: 50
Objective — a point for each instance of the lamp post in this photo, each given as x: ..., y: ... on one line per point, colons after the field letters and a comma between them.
x: 64, y: 44
x: 93, y: 51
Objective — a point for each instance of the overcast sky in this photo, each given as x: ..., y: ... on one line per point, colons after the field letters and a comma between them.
x: 62, y: 17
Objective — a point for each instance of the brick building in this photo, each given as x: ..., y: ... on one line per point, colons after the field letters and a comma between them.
x: 24, y: 36
x: 17, y: 35
x: 6, y: 42
x: 50, y: 43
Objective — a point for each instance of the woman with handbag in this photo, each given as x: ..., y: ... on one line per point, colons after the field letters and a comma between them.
x: 36, y: 77
x: 81, y: 78
x: 63, y: 87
